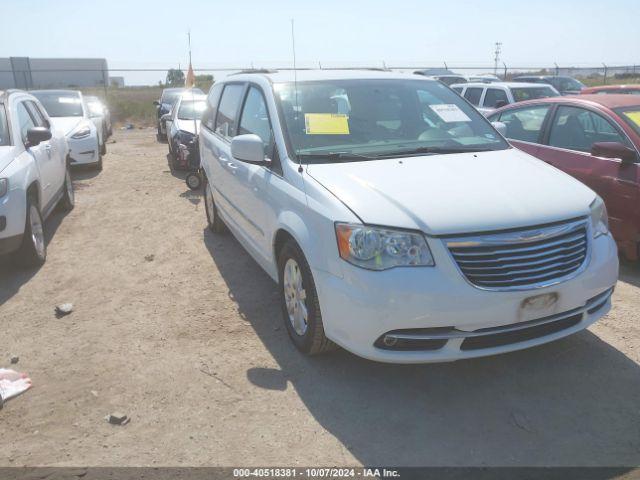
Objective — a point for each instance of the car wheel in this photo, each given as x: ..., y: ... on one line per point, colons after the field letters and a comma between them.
x: 33, y: 251
x: 69, y: 198
x: 99, y: 164
x: 193, y: 180
x: 103, y: 149
x: 215, y: 223
x: 299, y: 302
x: 162, y: 137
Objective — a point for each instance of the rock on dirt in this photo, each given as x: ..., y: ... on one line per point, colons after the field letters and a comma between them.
x: 64, y: 309
x: 117, y: 418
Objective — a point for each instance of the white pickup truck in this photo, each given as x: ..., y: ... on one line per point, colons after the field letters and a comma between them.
x: 34, y: 176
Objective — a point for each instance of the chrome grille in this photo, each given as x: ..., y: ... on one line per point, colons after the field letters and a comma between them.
x: 528, y: 258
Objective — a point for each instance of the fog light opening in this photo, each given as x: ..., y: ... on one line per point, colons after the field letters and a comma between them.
x: 389, y: 341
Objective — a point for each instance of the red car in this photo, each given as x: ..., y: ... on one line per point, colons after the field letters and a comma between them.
x: 627, y: 89
x: 594, y: 138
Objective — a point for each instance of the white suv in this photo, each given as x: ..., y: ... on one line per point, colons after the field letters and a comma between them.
x: 397, y: 221
x: 487, y: 97
x: 34, y: 176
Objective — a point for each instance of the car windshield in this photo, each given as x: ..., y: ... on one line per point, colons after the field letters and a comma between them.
x: 170, y: 98
x: 521, y: 94
x: 631, y: 115
x: 191, y: 110
x: 60, y: 104
x: 350, y: 120
x: 4, y: 127
x: 94, y: 106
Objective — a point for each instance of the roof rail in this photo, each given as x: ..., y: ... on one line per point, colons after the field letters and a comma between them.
x: 254, y: 70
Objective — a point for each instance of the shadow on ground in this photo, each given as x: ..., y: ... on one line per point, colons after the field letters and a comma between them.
x: 572, y: 402
x: 12, y: 276
x: 630, y: 272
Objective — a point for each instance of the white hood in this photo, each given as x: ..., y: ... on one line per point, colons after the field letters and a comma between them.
x: 7, y: 155
x: 188, y: 126
x: 66, y: 124
x: 456, y: 193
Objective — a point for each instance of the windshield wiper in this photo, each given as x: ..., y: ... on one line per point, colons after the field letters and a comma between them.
x: 337, y: 156
x: 436, y: 150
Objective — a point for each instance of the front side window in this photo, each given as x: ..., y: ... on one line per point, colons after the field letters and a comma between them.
x: 520, y: 94
x: 255, y: 117
x: 227, y: 110
x: 578, y: 129
x: 191, y: 109
x: 340, y: 120
x: 473, y: 95
x: 59, y: 104
x: 25, y: 121
x: 36, y: 114
x: 4, y: 127
x: 493, y: 96
x: 525, y: 124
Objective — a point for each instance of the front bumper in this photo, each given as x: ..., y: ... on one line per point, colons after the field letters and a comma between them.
x: 83, y: 151
x: 362, y: 306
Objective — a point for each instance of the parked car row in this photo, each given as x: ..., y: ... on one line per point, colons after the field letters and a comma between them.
x: 397, y: 221
x: 164, y: 104
x: 42, y: 134
x: 34, y: 174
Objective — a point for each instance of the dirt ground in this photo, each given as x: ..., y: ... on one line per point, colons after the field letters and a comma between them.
x: 181, y: 330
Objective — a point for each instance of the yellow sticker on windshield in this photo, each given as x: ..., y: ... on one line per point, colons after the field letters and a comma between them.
x: 634, y: 117
x: 326, y: 124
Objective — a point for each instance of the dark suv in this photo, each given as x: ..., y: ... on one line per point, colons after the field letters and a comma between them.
x: 564, y: 85
x: 167, y: 99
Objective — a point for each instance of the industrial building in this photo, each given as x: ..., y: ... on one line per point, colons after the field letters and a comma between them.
x: 29, y: 73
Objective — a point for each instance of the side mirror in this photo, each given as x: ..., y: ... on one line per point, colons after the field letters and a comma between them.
x: 500, y: 127
x: 156, y: 103
x: 614, y: 150
x: 249, y: 148
x: 500, y: 104
x: 36, y: 135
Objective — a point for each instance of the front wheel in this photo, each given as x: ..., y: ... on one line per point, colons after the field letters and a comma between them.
x: 33, y: 251
x: 299, y: 302
x: 215, y: 223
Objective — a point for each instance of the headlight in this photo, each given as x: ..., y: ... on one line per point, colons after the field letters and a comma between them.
x: 4, y: 187
x: 82, y: 132
x: 599, y: 218
x: 378, y: 248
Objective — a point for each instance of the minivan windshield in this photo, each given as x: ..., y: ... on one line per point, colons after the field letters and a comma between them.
x: 59, y: 104
x: 631, y: 115
x: 358, y: 119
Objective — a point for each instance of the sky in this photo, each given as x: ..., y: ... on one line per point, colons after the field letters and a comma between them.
x: 236, y: 33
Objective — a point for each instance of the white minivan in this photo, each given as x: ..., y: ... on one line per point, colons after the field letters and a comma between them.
x: 397, y: 221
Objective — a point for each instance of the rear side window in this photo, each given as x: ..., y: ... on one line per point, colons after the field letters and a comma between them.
x: 473, y: 95
x: 493, y: 96
x: 525, y: 124
x: 24, y: 121
x: 228, y: 109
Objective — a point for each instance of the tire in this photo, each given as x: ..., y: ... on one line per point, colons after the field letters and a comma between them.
x: 215, y: 223
x: 161, y: 137
x: 33, y: 250
x: 193, y: 180
x: 298, y: 298
x: 68, y: 200
x: 103, y: 149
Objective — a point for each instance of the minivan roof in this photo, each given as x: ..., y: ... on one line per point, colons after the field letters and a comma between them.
x: 284, y: 76
x: 502, y: 84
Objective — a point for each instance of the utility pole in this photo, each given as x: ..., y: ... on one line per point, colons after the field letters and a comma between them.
x: 496, y: 58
